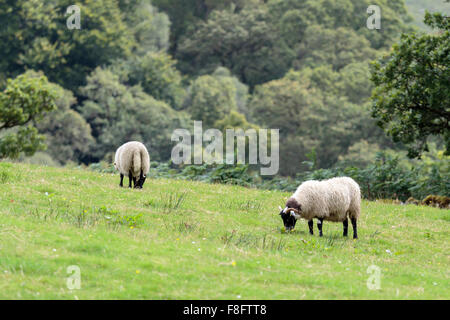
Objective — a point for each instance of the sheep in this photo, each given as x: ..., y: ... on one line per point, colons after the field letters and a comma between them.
x: 132, y: 159
x: 332, y: 200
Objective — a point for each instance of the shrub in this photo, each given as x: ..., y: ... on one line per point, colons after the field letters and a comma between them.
x: 386, y: 178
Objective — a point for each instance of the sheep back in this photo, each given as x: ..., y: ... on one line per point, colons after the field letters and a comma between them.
x: 333, y: 200
x: 132, y: 156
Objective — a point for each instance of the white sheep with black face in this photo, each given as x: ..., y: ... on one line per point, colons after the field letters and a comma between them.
x: 334, y: 200
x: 132, y: 159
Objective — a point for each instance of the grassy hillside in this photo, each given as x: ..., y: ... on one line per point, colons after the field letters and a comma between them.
x: 190, y: 240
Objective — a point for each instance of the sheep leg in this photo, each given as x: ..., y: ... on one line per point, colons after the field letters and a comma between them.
x: 130, y: 178
x: 355, y: 231
x: 139, y: 182
x: 134, y: 181
x: 311, y: 226
x: 345, y: 223
x: 141, y: 179
x: 121, y: 180
x: 319, y: 226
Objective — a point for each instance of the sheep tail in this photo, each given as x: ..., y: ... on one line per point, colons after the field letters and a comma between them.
x: 145, y: 164
x: 136, y: 168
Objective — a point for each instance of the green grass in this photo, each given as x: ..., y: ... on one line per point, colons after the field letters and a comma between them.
x: 188, y: 240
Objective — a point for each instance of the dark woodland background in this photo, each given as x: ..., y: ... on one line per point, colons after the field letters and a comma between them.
x: 137, y: 70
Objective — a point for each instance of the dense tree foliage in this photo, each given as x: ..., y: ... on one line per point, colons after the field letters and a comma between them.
x: 136, y: 70
x: 156, y: 73
x: 308, y: 120
x: 338, y: 47
x: 184, y: 14
x: 37, y: 38
x: 24, y: 100
x: 118, y: 113
x: 211, y: 98
x: 243, y: 41
x: 68, y: 135
x: 149, y: 27
x: 412, y: 95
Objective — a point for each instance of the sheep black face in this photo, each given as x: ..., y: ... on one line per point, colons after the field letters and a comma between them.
x: 290, y: 214
x: 141, y: 182
x: 289, y: 218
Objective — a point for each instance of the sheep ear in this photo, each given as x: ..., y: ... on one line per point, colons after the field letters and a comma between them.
x: 295, y: 215
x: 284, y: 210
x: 281, y: 210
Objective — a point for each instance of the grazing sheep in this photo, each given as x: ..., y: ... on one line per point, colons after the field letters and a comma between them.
x: 332, y: 200
x: 132, y: 159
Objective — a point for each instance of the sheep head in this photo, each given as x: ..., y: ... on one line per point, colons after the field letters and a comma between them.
x: 141, y: 181
x: 289, y: 217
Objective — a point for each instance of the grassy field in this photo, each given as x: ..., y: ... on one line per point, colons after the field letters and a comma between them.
x: 189, y: 240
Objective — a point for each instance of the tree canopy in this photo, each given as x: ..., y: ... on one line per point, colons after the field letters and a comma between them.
x: 136, y: 70
x: 412, y: 95
x: 24, y: 100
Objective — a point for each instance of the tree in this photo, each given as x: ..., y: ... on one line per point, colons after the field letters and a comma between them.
x: 287, y: 105
x: 293, y: 17
x: 68, y: 135
x: 360, y: 154
x: 242, y: 95
x: 244, y: 42
x: 234, y: 120
x: 36, y: 37
x: 412, y: 95
x: 156, y: 73
x: 312, y: 109
x: 338, y: 47
x: 118, y: 113
x: 150, y: 28
x: 211, y: 98
x: 25, y: 99
x: 353, y: 84
x: 184, y: 14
